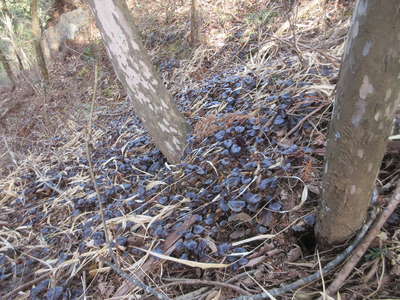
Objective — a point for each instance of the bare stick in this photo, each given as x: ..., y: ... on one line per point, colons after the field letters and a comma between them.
x: 193, y: 295
x: 24, y: 286
x: 152, y: 262
x: 12, y: 155
x: 89, y: 158
x: 329, y: 267
x: 207, y: 282
x: 302, y: 121
x: 360, y: 250
x: 194, y: 26
x: 136, y: 282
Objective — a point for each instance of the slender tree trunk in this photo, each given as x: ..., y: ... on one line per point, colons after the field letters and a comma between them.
x: 7, y: 68
x: 194, y: 25
x: 151, y: 100
x: 37, y: 35
x: 368, y: 93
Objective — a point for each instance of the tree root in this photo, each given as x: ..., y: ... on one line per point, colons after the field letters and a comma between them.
x: 328, y: 268
x: 363, y: 246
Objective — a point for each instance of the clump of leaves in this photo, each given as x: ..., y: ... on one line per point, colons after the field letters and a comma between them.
x: 374, y: 253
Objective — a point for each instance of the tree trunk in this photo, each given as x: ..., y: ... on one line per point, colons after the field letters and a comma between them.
x: 7, y: 68
x: 194, y: 26
x: 134, y: 69
x: 368, y: 93
x: 37, y: 35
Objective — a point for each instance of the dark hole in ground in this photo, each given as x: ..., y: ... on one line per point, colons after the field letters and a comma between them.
x: 306, y: 240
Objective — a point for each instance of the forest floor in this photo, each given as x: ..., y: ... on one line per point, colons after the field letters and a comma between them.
x: 236, y: 217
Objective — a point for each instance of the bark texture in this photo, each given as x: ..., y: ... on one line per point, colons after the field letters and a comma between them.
x: 134, y: 69
x: 7, y: 68
x: 368, y: 93
x: 37, y: 35
x: 194, y: 24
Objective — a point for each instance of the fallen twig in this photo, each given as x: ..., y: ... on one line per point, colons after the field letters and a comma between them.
x: 24, y: 286
x: 91, y: 172
x: 363, y: 246
x: 207, y: 282
x: 300, y: 123
x: 136, y: 282
x: 329, y: 267
x: 193, y: 295
x: 152, y: 262
x: 239, y: 276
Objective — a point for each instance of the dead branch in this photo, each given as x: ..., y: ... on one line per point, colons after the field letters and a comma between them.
x: 136, y: 282
x: 25, y: 286
x: 328, y: 268
x: 363, y: 246
x: 207, y: 282
x: 152, y: 262
x: 92, y: 177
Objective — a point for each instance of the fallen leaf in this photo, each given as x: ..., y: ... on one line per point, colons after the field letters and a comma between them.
x: 186, y: 262
x: 255, y: 261
x: 153, y: 184
x: 242, y: 217
x: 237, y: 234
x: 294, y: 254
x: 214, y: 295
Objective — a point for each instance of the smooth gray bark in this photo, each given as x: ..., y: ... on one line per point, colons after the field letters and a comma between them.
x: 368, y: 93
x: 7, y: 68
x: 194, y: 24
x: 152, y: 102
x: 37, y: 35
